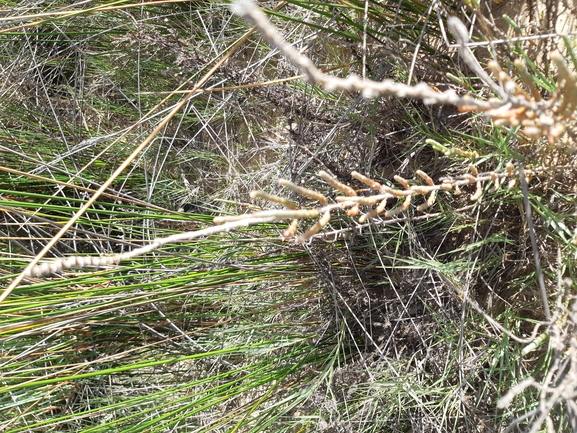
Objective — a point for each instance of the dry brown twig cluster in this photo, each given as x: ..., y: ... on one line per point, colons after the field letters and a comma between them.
x: 513, y: 107
x: 547, y: 118
x: 384, y: 196
x: 349, y: 203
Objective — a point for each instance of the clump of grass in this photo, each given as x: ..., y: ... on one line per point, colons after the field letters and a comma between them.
x: 392, y: 312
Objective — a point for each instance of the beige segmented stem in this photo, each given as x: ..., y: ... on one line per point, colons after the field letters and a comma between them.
x: 430, y: 202
x: 374, y: 212
x: 315, y: 228
x: 304, y: 191
x: 345, y: 189
x: 273, y: 198
x: 425, y: 177
x: 403, y: 207
x: 402, y: 181
x: 366, y: 180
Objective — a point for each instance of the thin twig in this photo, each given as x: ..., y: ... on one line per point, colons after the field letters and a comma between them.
x: 461, y: 35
